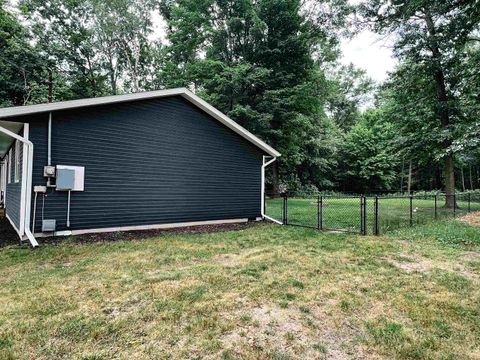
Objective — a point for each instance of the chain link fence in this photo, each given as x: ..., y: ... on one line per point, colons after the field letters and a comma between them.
x: 368, y: 214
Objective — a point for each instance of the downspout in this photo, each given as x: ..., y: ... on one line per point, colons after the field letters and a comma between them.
x: 28, y: 189
x: 264, y: 216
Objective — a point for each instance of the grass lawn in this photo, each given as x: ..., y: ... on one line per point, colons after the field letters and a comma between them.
x: 261, y: 292
x: 344, y: 213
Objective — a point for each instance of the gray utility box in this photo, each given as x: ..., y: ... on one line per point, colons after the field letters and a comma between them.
x: 65, y: 179
x: 49, y: 225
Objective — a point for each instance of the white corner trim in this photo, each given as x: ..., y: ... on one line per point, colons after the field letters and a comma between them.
x: 24, y: 170
x: 143, y: 227
x: 185, y: 93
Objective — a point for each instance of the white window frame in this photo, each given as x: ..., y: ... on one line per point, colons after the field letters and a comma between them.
x: 17, y: 161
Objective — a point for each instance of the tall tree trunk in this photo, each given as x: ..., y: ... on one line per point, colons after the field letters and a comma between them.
x: 463, y: 179
x: 443, y: 113
x: 50, y: 86
x: 409, y: 181
x: 403, y: 175
x: 113, y: 77
x: 470, y: 177
x: 449, y: 182
x: 275, y: 179
x: 477, y: 177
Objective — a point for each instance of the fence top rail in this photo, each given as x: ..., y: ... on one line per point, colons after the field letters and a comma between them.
x: 465, y: 195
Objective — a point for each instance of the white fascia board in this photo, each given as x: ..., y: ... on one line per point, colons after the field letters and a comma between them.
x: 73, y: 104
x: 185, y: 93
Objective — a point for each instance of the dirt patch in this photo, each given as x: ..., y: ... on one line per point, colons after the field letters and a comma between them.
x: 290, y: 332
x: 234, y: 260
x: 472, y: 219
x: 8, y: 235
x: 146, y: 234
x: 413, y: 263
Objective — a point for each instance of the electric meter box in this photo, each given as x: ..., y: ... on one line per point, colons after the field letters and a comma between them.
x: 70, y: 178
x: 65, y: 179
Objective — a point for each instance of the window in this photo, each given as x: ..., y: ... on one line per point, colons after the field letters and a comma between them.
x: 17, y: 161
x: 9, y: 161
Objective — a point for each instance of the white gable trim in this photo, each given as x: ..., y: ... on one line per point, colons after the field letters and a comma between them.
x: 185, y: 93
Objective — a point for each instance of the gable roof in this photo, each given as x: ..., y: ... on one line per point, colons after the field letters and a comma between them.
x: 183, y: 92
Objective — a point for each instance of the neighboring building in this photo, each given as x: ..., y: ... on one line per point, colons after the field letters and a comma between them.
x: 147, y: 160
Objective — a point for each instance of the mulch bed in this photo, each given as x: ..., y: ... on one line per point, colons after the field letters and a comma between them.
x: 8, y: 235
x: 145, y: 234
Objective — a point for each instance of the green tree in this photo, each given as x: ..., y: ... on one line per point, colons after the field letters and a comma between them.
x: 368, y: 160
x: 350, y: 90
x: 259, y: 63
x: 21, y: 67
x: 432, y: 36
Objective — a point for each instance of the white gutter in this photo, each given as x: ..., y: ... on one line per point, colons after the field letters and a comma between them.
x: 264, y: 216
x: 28, y: 187
x: 185, y: 93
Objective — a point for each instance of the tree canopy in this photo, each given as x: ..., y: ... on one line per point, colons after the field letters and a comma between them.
x: 274, y: 67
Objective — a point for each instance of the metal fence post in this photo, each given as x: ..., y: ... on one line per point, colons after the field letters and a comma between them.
x: 321, y: 212
x: 361, y: 215
x: 411, y: 210
x: 286, y: 209
x: 469, y: 201
x: 365, y: 215
x: 436, y: 214
x: 318, y: 212
x: 375, y: 215
x: 283, y: 208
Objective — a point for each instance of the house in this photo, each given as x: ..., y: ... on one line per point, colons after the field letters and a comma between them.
x: 128, y: 162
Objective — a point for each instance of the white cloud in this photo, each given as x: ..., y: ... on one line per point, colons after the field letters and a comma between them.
x: 370, y: 52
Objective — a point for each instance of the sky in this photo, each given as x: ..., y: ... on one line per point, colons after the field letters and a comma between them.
x: 370, y: 52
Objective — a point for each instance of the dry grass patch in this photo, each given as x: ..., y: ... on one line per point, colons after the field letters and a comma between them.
x: 264, y: 292
x: 472, y: 219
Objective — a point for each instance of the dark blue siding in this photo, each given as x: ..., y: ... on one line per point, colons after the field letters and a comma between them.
x: 148, y: 162
x: 14, y: 190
